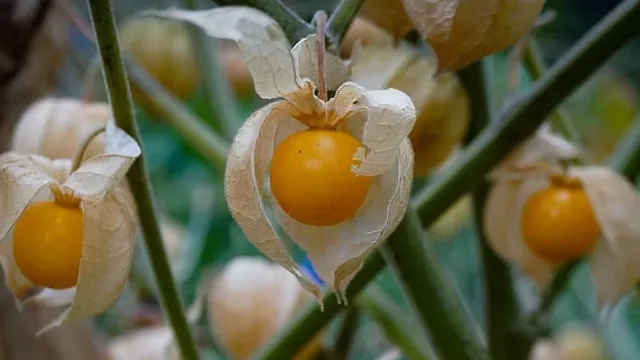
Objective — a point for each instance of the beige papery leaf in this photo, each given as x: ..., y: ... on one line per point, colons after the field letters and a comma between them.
x: 250, y: 301
x: 57, y: 127
x: 524, y: 172
x: 616, y: 204
x: 108, y: 217
x: 390, y: 15
x: 380, y: 120
x: 441, y: 102
x: 462, y: 31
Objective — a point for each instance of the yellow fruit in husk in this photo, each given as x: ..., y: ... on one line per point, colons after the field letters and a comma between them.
x: 47, y: 244
x: 559, y: 224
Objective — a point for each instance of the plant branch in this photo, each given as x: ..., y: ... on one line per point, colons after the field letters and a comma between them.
x: 209, y: 144
x: 346, y: 334
x: 534, y: 64
x: 398, y: 327
x: 436, y: 302
x: 222, y: 103
x: 341, y: 19
x: 120, y: 98
x: 294, y: 27
x: 501, y: 303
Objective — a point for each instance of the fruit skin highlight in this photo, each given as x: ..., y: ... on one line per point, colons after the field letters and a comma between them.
x: 311, y: 177
x: 558, y: 223
x: 47, y: 244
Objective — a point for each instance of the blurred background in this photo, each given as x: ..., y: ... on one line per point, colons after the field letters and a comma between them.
x: 199, y: 233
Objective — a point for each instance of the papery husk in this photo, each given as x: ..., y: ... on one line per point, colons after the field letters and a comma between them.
x: 441, y: 102
x: 274, y: 65
x: 545, y: 349
x: 614, y: 262
x: 538, y: 156
x: 145, y: 344
x: 174, y: 236
x: 57, y: 127
x: 165, y: 50
x: 463, y: 31
x: 109, y: 223
x: 250, y: 301
x: 380, y: 119
x: 502, y: 226
x: 389, y: 15
x: 580, y: 343
x: 443, y: 113
x: 363, y: 32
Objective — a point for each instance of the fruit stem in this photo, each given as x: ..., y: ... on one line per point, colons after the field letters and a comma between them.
x: 83, y: 147
x: 320, y: 19
x: 119, y: 94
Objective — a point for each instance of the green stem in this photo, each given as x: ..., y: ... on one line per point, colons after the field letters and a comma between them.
x: 346, y: 334
x: 341, y: 19
x: 209, y: 144
x: 294, y: 27
x: 501, y: 303
x: 222, y: 102
x: 434, y: 299
x: 398, y: 327
x: 626, y: 157
x: 120, y: 98
x: 534, y: 63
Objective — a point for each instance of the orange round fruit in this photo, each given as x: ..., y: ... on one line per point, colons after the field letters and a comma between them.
x: 311, y: 177
x: 47, y: 244
x: 558, y: 223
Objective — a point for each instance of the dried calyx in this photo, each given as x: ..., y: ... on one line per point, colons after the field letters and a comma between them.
x: 360, y: 135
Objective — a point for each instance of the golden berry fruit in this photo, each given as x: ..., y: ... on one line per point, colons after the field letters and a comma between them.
x: 311, y: 177
x: 47, y: 244
x: 558, y: 223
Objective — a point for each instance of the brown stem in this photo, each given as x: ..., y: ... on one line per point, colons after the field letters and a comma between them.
x: 320, y: 20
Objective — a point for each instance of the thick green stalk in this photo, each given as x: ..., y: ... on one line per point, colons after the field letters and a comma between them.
x: 346, y: 334
x: 432, y: 295
x: 626, y: 157
x: 501, y: 303
x: 121, y: 105
x: 400, y: 328
x: 341, y: 19
x: 208, y: 143
x: 294, y: 27
x: 534, y: 64
x: 222, y: 103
